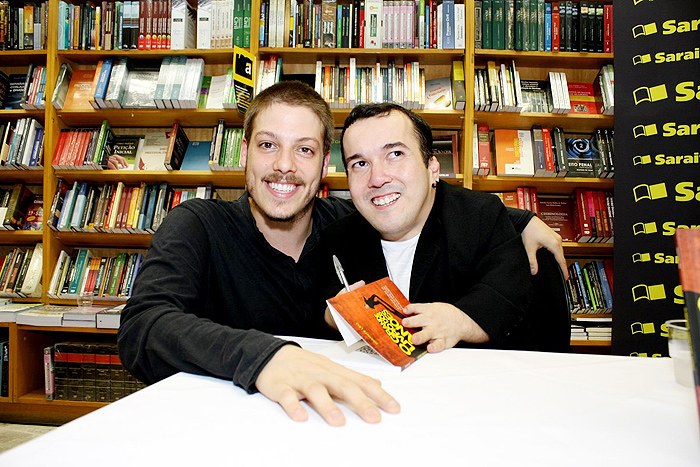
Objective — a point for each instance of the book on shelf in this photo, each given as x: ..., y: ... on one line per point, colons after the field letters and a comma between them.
x: 79, y: 90
x: 243, y: 78
x: 151, y: 153
x: 4, y: 367
x: 197, y: 156
x: 446, y: 150
x: 15, y: 90
x: 582, y: 99
x: 82, y: 316
x: 44, y: 315
x: 373, y: 313
x: 110, y: 317
x: 49, y: 373
x: 9, y: 310
x: 555, y: 211
x: 438, y: 94
x: 513, y: 155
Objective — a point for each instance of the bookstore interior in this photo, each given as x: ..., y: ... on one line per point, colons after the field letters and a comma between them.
x: 520, y: 95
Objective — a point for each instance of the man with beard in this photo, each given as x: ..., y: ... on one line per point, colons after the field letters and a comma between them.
x: 222, y: 278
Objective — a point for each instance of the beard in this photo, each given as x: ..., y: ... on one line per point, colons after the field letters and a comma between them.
x: 288, y: 218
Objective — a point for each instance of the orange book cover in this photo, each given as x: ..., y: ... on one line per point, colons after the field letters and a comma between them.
x: 375, y: 312
x: 688, y: 248
x: 506, y: 142
x: 79, y: 90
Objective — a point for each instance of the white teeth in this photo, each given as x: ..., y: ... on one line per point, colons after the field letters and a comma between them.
x: 386, y: 200
x: 282, y: 187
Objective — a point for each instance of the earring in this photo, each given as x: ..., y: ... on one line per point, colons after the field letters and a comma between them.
x: 434, y: 185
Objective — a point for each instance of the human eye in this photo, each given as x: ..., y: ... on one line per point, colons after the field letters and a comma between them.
x: 395, y: 154
x: 358, y: 165
x: 266, y: 145
x: 307, y: 151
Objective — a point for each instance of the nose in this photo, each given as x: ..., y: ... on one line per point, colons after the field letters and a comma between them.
x: 285, y: 161
x: 379, y: 175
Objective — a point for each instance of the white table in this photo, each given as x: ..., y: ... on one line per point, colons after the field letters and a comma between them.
x: 460, y: 407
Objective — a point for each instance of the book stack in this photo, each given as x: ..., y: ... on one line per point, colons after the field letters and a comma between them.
x: 17, y: 204
x: 344, y: 86
x: 368, y: 24
x: 116, y: 207
x: 91, y: 372
x: 9, y: 310
x: 585, y: 328
x: 589, y: 289
x: 44, y: 315
x: 110, y: 317
x: 105, y: 276
x: 544, y: 152
x: 23, y: 27
x: 539, y: 25
x: 21, y: 272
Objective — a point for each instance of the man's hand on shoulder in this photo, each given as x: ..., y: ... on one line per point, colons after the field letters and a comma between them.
x: 537, y: 235
x: 443, y: 326
x: 294, y: 374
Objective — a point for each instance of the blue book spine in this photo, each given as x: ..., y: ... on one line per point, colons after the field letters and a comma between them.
x: 582, y: 284
x: 101, y: 88
x: 36, y: 149
x: 448, y: 25
x: 604, y: 284
x: 547, y: 27
x: 79, y: 206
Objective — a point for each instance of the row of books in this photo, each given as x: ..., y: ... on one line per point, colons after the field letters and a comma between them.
x: 390, y: 24
x: 21, y: 207
x: 543, y: 152
x: 536, y: 25
x: 22, y: 144
x: 104, y: 276
x: 115, y: 207
x: 24, y: 90
x: 345, y: 86
x: 499, y: 88
x: 90, y: 372
x: 589, y: 287
x: 174, y: 82
x: 585, y: 216
x: 21, y: 271
x: 154, y: 25
x: 36, y: 314
x: 591, y: 329
x: 23, y: 27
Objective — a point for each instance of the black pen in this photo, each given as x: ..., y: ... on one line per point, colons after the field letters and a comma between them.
x: 341, y: 274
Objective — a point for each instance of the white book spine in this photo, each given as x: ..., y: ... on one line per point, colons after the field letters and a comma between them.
x: 460, y: 25
x: 204, y: 24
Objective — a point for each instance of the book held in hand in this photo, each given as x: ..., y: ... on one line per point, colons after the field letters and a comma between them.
x: 373, y: 313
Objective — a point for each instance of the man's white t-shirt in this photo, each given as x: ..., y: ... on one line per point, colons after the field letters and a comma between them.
x: 399, y: 261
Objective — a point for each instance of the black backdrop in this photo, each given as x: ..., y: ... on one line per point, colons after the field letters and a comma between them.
x: 657, y: 176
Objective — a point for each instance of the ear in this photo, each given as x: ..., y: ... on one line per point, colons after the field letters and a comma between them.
x: 434, y: 169
x: 244, y: 153
x: 326, y: 161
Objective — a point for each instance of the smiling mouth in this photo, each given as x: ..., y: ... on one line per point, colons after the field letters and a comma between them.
x: 282, y: 188
x: 385, y: 200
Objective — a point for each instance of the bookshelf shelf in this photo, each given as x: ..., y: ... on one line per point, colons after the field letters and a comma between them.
x: 24, y: 327
x: 104, y: 240
x: 588, y: 249
x: 546, y: 59
x: 579, y: 123
x: 20, y: 237
x: 182, y: 178
x: 90, y: 57
x: 22, y: 57
x: 150, y: 117
x: 19, y: 175
x: 38, y: 397
x: 563, y: 185
x: 580, y: 343
x: 438, y: 119
x: 21, y: 113
x: 98, y: 301
x: 310, y: 56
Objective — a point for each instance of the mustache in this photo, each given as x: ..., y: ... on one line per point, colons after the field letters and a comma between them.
x: 277, y: 178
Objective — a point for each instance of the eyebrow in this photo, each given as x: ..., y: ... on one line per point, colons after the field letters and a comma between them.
x: 270, y: 134
x: 385, y: 147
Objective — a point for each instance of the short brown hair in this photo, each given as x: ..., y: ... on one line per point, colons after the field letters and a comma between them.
x: 294, y: 93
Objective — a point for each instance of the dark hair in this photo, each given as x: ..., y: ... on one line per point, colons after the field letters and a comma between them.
x: 422, y: 130
x: 294, y: 93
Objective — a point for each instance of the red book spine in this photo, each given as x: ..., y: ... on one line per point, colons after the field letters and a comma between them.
x: 548, y: 153
x: 521, y: 198
x: 534, y: 201
x: 582, y: 224
x: 362, y: 29
x: 142, y: 25
x: 59, y: 148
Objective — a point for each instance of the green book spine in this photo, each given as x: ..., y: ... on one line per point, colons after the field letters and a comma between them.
x: 487, y: 24
x: 498, y: 24
x: 532, y: 33
x: 519, y: 23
